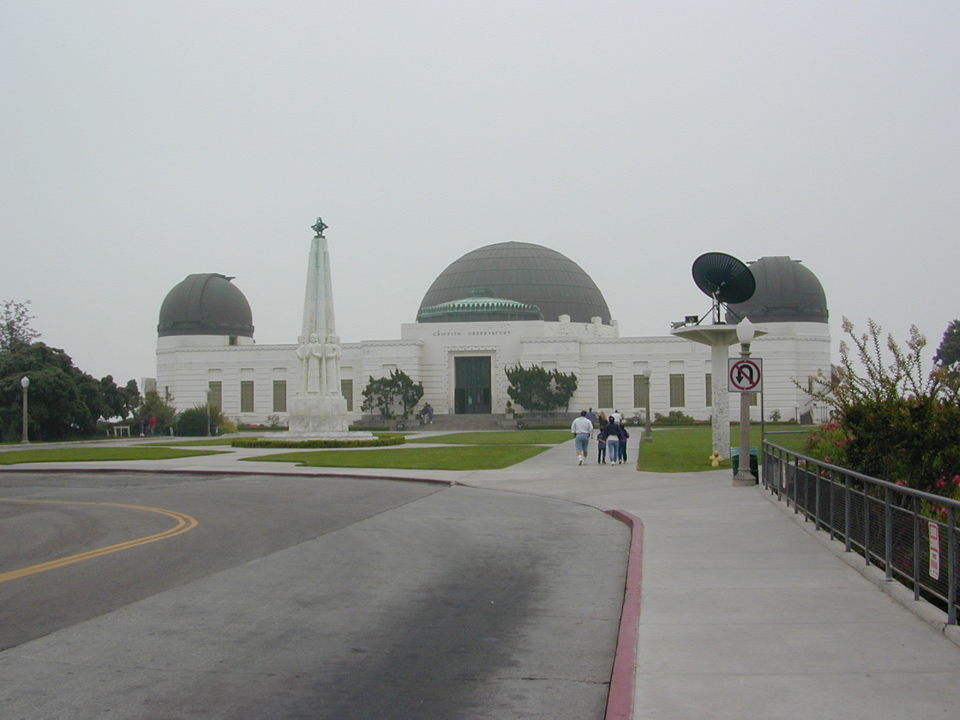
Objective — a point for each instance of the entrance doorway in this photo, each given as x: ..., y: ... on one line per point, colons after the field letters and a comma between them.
x: 472, y: 393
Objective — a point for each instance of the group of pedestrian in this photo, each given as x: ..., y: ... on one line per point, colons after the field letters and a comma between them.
x: 611, y: 438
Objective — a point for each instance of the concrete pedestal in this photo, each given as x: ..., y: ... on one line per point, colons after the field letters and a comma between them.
x: 322, y: 417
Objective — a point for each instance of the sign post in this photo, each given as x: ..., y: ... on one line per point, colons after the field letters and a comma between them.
x: 745, y: 377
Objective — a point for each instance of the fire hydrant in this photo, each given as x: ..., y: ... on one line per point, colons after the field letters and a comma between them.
x: 715, y: 459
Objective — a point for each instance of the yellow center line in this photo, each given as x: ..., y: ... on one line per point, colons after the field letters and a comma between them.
x: 184, y: 523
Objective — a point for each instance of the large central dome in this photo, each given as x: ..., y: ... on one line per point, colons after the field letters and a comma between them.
x: 521, y: 272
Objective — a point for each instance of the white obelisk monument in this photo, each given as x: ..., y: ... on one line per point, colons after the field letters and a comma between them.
x: 319, y: 410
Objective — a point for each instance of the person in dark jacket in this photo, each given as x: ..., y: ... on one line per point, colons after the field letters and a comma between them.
x: 624, y: 436
x: 611, y: 434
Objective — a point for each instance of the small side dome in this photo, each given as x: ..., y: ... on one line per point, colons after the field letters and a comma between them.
x: 205, y: 304
x: 786, y: 292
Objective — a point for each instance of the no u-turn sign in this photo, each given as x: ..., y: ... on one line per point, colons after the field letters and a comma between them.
x: 745, y: 375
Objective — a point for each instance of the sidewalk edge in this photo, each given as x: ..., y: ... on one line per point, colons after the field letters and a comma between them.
x: 620, y: 698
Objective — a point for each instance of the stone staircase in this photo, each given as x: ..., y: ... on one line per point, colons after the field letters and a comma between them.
x: 463, y: 423
x: 466, y: 423
x: 445, y: 423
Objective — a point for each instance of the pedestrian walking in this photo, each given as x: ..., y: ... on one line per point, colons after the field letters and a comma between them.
x: 582, y: 429
x: 624, y: 436
x: 601, y: 450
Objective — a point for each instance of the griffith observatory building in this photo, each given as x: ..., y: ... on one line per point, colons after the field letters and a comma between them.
x: 493, y: 308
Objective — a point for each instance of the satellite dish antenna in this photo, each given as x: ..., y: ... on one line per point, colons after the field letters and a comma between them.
x: 725, y: 279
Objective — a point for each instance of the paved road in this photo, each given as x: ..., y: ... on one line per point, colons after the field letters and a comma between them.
x: 305, y: 597
x: 747, y: 611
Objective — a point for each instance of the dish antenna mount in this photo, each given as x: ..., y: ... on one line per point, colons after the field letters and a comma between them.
x: 725, y: 279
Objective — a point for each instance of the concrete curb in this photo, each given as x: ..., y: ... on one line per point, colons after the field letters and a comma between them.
x: 273, y: 473
x: 623, y: 678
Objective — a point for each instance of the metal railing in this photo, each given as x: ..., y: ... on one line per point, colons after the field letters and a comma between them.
x: 911, y: 535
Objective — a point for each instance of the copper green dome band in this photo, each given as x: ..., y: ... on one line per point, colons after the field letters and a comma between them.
x: 479, y: 309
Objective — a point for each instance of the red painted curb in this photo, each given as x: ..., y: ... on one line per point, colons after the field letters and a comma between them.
x: 623, y: 677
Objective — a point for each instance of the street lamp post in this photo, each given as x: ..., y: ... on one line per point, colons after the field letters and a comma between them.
x: 209, y: 413
x: 647, y: 433
x: 25, y: 383
x: 745, y: 334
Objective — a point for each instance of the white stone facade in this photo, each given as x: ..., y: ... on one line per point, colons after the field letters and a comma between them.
x: 259, y: 381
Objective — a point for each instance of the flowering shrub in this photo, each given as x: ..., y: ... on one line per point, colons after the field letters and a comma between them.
x: 891, y: 422
x: 948, y: 487
x: 828, y: 443
x: 674, y: 417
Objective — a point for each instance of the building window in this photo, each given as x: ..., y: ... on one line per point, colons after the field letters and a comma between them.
x: 605, y: 391
x: 752, y: 399
x: 246, y: 396
x: 709, y: 386
x: 346, y: 389
x: 279, y: 395
x: 641, y: 391
x: 677, y: 391
x: 216, y: 393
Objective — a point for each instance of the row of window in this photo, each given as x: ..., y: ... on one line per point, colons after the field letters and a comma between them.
x: 641, y: 391
x: 247, y: 395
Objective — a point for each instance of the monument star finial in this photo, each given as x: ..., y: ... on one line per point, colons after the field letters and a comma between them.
x: 319, y: 227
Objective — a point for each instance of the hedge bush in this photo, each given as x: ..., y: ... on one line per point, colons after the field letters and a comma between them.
x: 287, y: 444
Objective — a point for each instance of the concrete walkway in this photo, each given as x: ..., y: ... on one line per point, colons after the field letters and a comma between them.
x: 746, y: 613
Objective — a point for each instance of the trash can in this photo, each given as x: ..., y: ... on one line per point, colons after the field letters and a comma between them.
x: 754, y: 461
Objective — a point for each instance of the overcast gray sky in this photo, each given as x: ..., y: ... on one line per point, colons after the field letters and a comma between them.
x: 144, y: 141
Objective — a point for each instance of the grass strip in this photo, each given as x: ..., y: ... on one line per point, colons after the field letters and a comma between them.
x: 461, y: 457
x: 508, y: 437
x: 93, y: 454
x: 688, y: 449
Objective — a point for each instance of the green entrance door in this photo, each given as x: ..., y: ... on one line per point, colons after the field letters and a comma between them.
x: 472, y: 393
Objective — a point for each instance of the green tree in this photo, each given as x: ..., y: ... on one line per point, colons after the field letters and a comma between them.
x: 131, y: 398
x: 393, y: 395
x: 63, y: 400
x: 540, y: 390
x: 948, y: 353
x: 198, y: 420
x: 154, y: 406
x: 15, y: 330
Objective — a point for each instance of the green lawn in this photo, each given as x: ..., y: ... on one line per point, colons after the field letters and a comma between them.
x: 461, y: 457
x: 688, y: 449
x: 507, y: 437
x: 91, y: 454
